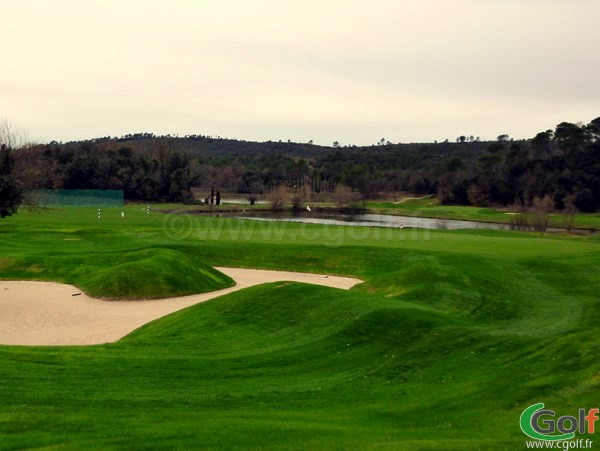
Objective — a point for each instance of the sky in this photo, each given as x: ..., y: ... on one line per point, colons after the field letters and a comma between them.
x: 353, y: 71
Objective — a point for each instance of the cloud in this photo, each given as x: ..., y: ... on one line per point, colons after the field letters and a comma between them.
x: 345, y: 70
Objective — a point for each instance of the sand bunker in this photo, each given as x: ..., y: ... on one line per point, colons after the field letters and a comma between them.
x: 48, y: 314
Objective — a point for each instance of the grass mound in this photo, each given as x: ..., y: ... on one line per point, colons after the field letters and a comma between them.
x: 150, y: 273
x: 271, y: 317
x: 293, y: 366
x: 154, y: 273
x: 452, y: 335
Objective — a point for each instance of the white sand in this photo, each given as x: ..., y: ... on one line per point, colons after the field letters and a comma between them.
x: 47, y: 314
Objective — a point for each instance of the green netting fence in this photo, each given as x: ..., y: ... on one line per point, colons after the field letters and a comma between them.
x: 77, y: 198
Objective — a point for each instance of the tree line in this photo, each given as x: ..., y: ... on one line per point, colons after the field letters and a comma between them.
x: 562, y: 165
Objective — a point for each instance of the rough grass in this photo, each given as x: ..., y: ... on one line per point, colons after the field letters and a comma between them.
x: 450, y: 337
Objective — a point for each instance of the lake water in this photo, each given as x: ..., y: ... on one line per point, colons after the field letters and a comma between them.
x: 369, y: 220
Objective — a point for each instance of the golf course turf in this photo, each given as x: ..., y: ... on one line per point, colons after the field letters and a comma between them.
x: 451, y: 336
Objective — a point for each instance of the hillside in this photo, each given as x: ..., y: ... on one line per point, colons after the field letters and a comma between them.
x: 560, y: 167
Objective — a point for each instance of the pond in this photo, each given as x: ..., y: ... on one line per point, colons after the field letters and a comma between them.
x: 367, y: 220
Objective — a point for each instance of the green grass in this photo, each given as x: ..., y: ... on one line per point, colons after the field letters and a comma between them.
x: 136, y: 274
x: 99, y: 259
x: 450, y: 337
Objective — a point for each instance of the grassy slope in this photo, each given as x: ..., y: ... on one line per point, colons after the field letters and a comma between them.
x: 101, y: 258
x: 452, y: 335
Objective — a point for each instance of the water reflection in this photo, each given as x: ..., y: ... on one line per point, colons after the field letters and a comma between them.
x: 368, y: 220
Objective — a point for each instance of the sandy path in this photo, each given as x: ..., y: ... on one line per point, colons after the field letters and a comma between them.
x: 47, y: 313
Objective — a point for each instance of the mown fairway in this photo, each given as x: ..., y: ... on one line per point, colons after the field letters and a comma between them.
x: 450, y: 338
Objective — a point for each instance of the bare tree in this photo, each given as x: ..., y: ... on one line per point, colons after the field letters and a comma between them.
x: 569, y: 214
x: 279, y: 197
x: 11, y: 136
x: 540, y: 209
x: 344, y: 197
x: 520, y: 217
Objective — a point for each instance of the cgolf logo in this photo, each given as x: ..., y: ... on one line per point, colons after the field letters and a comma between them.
x: 540, y: 424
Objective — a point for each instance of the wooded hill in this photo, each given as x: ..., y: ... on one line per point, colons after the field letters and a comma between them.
x: 562, y: 164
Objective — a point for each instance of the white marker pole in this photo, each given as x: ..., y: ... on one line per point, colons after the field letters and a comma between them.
x: 98, y: 214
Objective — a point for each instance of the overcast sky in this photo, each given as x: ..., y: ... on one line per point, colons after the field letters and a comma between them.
x: 354, y: 71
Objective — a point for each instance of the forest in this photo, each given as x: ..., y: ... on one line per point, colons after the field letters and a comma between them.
x: 559, y: 166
